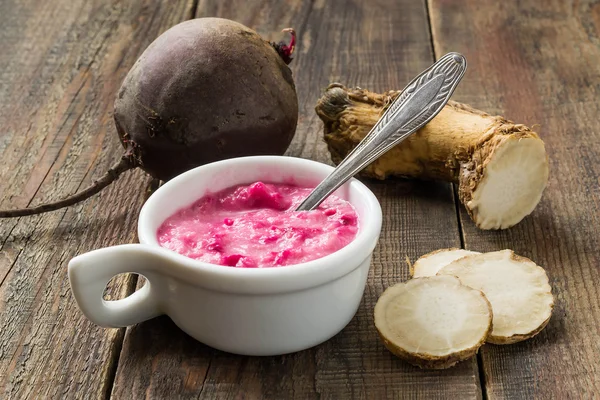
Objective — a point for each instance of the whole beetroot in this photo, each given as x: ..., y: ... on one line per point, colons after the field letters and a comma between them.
x: 207, y: 89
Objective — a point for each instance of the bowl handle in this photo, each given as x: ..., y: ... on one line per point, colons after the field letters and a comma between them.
x: 90, y: 272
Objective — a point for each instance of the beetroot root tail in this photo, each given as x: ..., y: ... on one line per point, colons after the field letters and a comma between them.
x: 124, y: 164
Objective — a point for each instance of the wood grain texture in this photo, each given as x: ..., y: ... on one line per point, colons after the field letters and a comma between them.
x: 373, y: 44
x: 60, y: 68
x: 537, y: 63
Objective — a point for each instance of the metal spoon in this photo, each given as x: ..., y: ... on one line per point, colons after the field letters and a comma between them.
x: 421, y: 100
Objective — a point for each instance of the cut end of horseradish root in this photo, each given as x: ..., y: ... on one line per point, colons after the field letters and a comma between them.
x: 501, y: 167
x: 517, y: 288
x: 508, y: 182
x: 430, y: 263
x: 433, y: 322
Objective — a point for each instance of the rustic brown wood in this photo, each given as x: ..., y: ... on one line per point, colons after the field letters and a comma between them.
x: 372, y: 44
x: 537, y: 63
x: 60, y: 67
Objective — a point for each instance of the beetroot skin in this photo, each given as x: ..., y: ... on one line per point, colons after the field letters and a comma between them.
x: 205, y: 90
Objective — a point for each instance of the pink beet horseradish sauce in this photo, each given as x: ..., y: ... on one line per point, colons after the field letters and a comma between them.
x: 254, y: 226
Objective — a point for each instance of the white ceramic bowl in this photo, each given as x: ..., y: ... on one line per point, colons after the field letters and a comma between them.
x: 251, y: 311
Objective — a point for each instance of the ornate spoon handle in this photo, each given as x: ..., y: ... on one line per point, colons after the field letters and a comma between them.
x: 421, y: 100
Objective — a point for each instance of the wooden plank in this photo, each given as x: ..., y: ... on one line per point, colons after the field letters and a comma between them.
x: 377, y: 46
x: 536, y: 63
x: 60, y: 69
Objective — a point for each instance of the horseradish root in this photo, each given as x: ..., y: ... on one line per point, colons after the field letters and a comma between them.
x: 433, y: 322
x: 501, y: 168
x: 517, y: 288
x: 430, y: 263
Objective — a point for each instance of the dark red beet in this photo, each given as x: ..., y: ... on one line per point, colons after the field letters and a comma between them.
x: 205, y: 90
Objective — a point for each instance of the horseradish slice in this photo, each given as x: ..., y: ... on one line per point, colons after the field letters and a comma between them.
x: 517, y: 288
x: 433, y: 322
x: 430, y: 263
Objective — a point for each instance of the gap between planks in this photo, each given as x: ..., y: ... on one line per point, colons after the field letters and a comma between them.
x: 461, y: 232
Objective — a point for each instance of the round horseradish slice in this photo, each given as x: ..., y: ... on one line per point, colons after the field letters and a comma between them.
x: 517, y: 288
x: 430, y: 263
x: 433, y: 322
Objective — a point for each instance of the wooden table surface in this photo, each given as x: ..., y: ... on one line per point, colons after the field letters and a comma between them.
x: 62, y: 61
